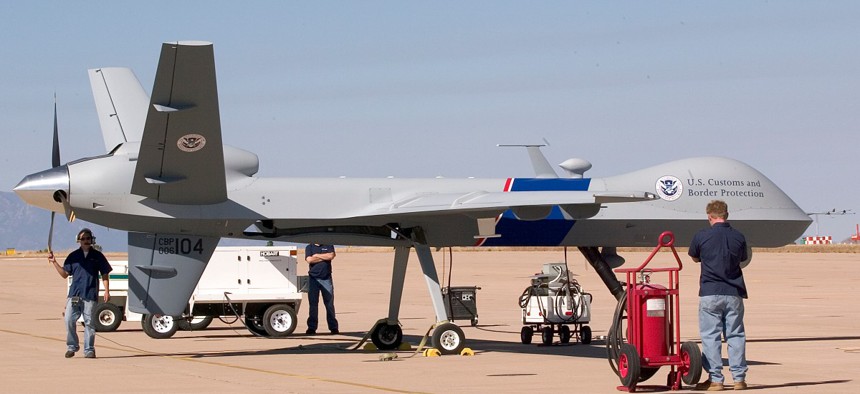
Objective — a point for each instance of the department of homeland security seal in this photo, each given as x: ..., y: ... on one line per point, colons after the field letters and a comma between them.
x: 669, y: 188
x: 191, y: 142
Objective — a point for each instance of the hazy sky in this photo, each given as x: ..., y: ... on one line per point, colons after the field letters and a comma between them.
x: 422, y: 89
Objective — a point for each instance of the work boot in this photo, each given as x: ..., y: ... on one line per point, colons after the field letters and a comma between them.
x: 709, y: 386
x: 70, y: 354
x: 741, y: 385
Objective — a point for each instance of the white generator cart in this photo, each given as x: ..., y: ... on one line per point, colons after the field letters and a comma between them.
x: 554, y: 303
x: 258, y: 285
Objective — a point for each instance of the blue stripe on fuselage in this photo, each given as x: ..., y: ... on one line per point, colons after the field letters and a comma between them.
x: 549, y: 231
x: 559, y: 184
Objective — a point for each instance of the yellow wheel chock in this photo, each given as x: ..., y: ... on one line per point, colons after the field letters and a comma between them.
x: 432, y: 352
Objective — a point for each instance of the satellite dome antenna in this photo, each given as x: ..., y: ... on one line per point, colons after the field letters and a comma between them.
x: 576, y: 167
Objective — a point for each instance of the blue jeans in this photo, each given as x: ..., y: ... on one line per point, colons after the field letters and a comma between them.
x: 326, y: 287
x: 73, y: 312
x: 723, y: 315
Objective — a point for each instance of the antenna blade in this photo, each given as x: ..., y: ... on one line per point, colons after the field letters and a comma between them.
x: 540, y: 164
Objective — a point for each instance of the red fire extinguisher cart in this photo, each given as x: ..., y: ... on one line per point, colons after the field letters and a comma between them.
x: 653, y: 327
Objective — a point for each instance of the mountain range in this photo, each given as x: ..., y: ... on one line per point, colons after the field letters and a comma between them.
x: 25, y: 228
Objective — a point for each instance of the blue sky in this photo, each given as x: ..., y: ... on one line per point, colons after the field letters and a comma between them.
x: 423, y: 89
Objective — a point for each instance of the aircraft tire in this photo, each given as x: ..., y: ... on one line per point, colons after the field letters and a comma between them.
x: 387, y: 336
x: 159, y: 326
x: 106, y: 317
x: 448, y: 338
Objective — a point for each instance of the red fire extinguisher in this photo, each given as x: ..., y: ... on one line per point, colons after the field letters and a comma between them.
x: 652, y: 327
x: 654, y: 322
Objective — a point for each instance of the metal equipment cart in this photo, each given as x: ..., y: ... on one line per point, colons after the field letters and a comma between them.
x: 554, y: 303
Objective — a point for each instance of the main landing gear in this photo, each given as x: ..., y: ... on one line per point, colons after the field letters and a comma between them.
x: 446, y: 337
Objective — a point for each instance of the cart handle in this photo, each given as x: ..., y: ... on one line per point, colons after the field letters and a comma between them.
x: 666, y: 239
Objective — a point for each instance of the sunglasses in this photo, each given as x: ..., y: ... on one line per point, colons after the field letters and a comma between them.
x: 86, y: 238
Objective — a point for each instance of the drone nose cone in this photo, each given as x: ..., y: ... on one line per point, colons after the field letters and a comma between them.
x: 42, y: 188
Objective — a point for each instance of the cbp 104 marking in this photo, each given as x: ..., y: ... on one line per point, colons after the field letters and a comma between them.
x: 179, y: 246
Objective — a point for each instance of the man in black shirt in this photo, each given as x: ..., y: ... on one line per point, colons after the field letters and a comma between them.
x: 319, y: 259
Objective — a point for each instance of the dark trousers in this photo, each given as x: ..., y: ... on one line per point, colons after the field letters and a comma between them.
x: 326, y: 287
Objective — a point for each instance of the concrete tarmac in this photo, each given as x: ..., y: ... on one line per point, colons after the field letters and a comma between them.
x: 802, y: 319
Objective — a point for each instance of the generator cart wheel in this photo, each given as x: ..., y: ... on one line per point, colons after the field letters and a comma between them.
x: 448, y: 338
x: 107, y: 317
x: 387, y: 336
x: 254, y: 324
x: 279, y: 320
x: 159, y: 326
x: 546, y: 335
x: 628, y: 365
x: 564, y: 334
x: 475, y: 321
x: 526, y: 335
x: 197, y: 323
x: 691, y: 357
x: 585, y: 335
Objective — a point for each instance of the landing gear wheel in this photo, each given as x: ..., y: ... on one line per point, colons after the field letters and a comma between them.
x: 628, y: 365
x: 254, y: 324
x: 691, y: 357
x: 526, y: 335
x: 107, y: 317
x: 197, y: 323
x: 448, y: 338
x: 279, y: 320
x: 546, y: 335
x: 585, y: 335
x: 387, y: 336
x: 159, y: 326
x: 564, y: 334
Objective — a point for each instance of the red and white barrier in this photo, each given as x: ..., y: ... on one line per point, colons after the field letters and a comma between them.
x: 820, y: 240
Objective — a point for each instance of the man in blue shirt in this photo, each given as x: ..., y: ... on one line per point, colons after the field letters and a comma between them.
x: 319, y: 259
x: 84, y: 265
x: 721, y: 249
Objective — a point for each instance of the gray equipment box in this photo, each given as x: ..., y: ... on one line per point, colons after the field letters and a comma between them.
x: 461, y: 303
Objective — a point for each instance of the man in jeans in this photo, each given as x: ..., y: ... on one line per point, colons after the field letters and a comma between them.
x: 319, y: 259
x: 84, y: 265
x: 721, y: 249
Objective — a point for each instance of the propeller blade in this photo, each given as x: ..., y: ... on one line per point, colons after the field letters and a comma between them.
x: 51, y: 233
x: 55, y: 156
